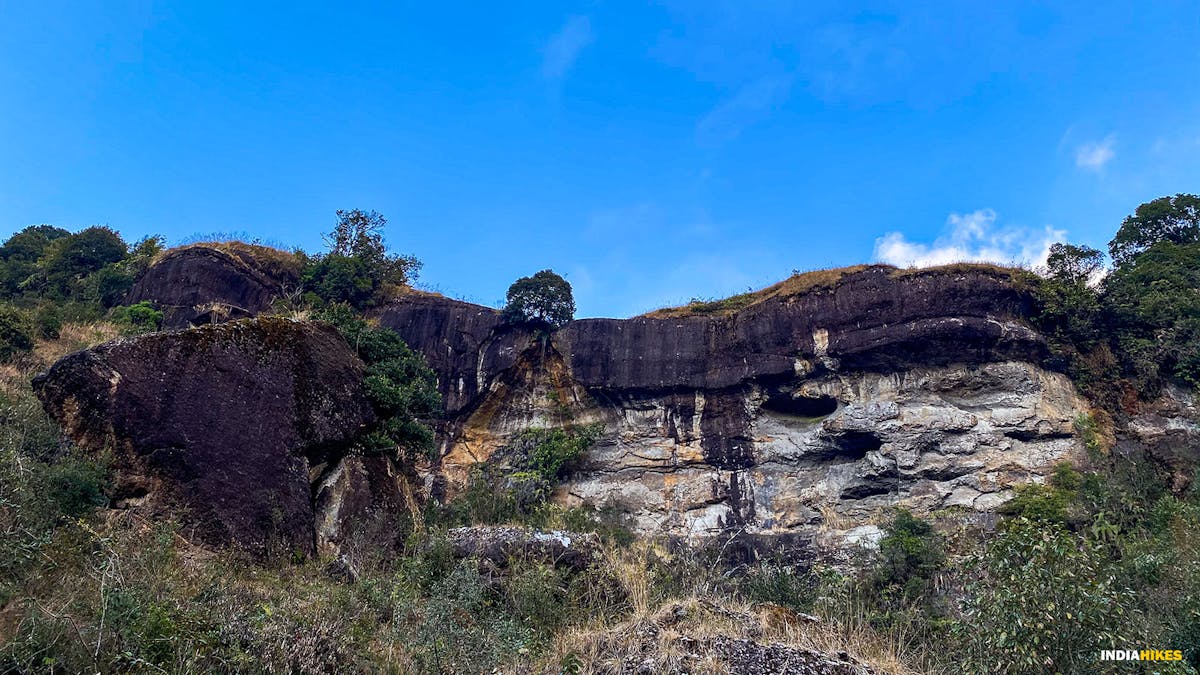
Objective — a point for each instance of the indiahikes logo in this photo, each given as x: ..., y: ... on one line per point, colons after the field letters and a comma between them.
x: 1141, y: 655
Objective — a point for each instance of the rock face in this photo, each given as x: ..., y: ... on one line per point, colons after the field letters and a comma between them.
x: 803, y: 416
x: 204, y: 284
x: 1167, y: 430
x: 218, y: 426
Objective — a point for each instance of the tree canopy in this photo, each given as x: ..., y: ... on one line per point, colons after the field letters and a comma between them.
x: 358, y: 264
x: 544, y: 298
x: 1073, y: 264
x: 1172, y: 219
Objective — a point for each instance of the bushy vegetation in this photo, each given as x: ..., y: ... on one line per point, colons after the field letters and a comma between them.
x: 401, y: 387
x: 1105, y: 556
x: 1141, y: 323
x: 49, y: 276
x: 357, y: 269
x: 517, y: 485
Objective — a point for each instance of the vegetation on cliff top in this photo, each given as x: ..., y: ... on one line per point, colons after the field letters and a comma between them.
x: 1138, y: 327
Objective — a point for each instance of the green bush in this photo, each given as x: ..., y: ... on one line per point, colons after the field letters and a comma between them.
x: 910, y: 553
x: 16, y: 332
x: 68, y: 261
x: 137, y: 318
x: 358, y: 265
x: 778, y: 582
x: 1040, y: 599
x: 401, y: 387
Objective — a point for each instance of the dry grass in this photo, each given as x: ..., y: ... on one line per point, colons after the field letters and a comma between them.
x: 820, y: 280
x: 73, y: 337
x: 988, y: 269
x: 797, y: 284
x: 668, y: 633
x: 394, y: 291
x: 15, y: 375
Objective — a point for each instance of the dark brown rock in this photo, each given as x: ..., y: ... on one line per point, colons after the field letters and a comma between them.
x: 361, y: 509
x: 203, y: 284
x: 877, y: 318
x: 217, y: 426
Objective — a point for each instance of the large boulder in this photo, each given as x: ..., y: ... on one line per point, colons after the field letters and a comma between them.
x: 217, y: 426
x: 212, y: 283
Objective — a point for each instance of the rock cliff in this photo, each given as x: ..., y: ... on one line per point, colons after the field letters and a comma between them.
x: 804, y: 414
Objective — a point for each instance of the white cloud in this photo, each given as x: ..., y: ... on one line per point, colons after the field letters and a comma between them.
x: 1094, y: 155
x: 565, y: 46
x: 971, y: 237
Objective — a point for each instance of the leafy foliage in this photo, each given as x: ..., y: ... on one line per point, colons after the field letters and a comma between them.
x: 544, y: 299
x: 910, y: 553
x: 20, y: 254
x: 16, y: 332
x: 1041, y: 600
x: 1167, y: 219
x: 516, y: 486
x: 1143, y: 322
x: 402, y: 388
x: 357, y: 266
x: 137, y: 318
x: 1155, y: 300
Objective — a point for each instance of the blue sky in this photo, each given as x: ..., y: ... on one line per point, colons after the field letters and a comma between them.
x: 649, y: 151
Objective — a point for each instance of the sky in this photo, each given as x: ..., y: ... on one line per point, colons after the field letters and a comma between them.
x: 650, y: 152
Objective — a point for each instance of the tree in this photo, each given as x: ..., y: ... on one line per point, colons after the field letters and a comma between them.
x: 1068, y: 307
x: 1073, y: 264
x: 1174, y: 219
x: 69, y: 259
x: 19, y: 255
x: 358, y: 264
x: 1155, y: 310
x: 545, y: 298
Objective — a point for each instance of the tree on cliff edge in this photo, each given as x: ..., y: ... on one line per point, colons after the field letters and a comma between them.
x: 358, y: 264
x: 545, y: 298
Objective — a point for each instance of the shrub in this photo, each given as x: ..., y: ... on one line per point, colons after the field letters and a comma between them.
x: 358, y: 265
x: 16, y: 332
x: 910, y: 552
x: 1040, y: 599
x: 68, y: 260
x: 137, y: 318
x: 401, y: 387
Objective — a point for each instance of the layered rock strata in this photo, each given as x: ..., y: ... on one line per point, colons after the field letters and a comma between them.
x: 805, y: 415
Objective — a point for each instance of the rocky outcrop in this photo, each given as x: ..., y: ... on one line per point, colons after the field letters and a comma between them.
x: 213, y: 283
x: 821, y: 460
x: 802, y: 416
x: 219, y: 426
x: 1166, y: 431
x: 499, y: 545
x: 799, y: 416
